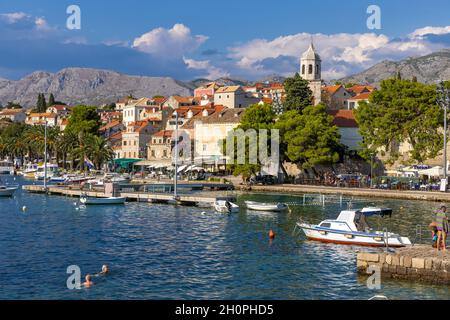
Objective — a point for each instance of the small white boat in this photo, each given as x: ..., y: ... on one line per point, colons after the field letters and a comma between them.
x: 7, y: 191
x: 224, y: 206
x: 259, y: 206
x: 58, y: 179
x: 52, y: 170
x: 102, y: 201
x: 30, y: 170
x: 7, y: 167
x: 351, y: 228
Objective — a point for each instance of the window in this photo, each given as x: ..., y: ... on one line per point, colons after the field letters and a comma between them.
x: 153, y: 154
x: 124, y: 142
x: 325, y: 225
x: 134, y: 142
x: 205, y: 147
x: 303, y: 69
x: 228, y: 96
x: 310, y: 69
x: 165, y: 153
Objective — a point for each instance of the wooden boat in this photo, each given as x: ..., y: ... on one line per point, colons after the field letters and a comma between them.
x: 259, y: 206
x: 351, y: 228
x: 8, y: 191
x: 102, y: 201
x: 224, y: 206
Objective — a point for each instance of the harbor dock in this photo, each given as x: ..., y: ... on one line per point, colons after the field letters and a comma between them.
x: 138, y: 193
x: 420, y: 263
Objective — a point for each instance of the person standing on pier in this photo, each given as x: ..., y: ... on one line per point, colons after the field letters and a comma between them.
x: 442, y: 228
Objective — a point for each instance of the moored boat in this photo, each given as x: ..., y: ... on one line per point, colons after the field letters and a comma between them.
x: 7, y: 167
x: 259, y: 206
x: 8, y: 190
x: 351, y: 228
x: 52, y: 170
x: 102, y: 201
x: 224, y: 206
x: 29, y: 170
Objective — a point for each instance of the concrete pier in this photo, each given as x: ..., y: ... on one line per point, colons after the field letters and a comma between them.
x: 419, y: 263
x: 190, y: 199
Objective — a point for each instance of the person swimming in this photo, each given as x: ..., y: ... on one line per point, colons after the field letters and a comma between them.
x: 105, y: 270
x: 88, y: 282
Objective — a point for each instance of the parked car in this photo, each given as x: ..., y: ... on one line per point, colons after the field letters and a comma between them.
x: 264, y: 180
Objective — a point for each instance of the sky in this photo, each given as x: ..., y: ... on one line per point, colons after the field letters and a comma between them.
x: 210, y: 39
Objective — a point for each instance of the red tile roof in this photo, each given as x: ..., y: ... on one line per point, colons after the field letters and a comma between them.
x: 110, y: 125
x: 362, y: 96
x: 164, y: 133
x: 332, y: 89
x: 358, y: 89
x: 344, y: 118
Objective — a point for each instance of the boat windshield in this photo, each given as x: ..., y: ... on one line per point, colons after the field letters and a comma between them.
x: 361, y: 222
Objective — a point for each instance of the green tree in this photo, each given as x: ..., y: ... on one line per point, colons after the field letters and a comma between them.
x: 401, y: 111
x: 298, y: 93
x: 41, y: 104
x: 51, y: 100
x: 99, y: 151
x: 256, y: 117
x: 309, y: 138
x: 84, y: 119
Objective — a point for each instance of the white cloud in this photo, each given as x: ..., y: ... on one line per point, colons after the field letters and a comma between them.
x: 13, y: 17
x: 342, y: 54
x: 169, y: 43
x: 419, y: 33
x: 213, y: 72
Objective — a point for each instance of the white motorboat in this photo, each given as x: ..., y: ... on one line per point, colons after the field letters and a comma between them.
x: 30, y: 170
x: 102, y: 201
x: 58, y: 179
x: 7, y: 167
x: 8, y: 190
x: 52, y: 170
x: 116, y: 178
x: 259, y: 206
x: 224, y: 206
x: 351, y: 228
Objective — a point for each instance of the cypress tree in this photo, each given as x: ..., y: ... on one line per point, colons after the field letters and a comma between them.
x: 51, y: 100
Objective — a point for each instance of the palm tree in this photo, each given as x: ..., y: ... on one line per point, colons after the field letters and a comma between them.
x: 99, y: 151
x: 66, y: 144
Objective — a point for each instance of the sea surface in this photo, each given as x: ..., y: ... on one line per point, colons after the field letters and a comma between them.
x: 158, y: 251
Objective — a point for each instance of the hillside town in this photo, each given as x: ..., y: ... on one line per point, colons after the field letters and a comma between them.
x: 140, y: 131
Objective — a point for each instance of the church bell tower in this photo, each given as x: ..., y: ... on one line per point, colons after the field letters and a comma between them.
x: 311, y: 70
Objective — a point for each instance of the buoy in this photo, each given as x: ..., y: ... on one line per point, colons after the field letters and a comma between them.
x: 75, y: 204
x: 271, y: 235
x: 24, y: 208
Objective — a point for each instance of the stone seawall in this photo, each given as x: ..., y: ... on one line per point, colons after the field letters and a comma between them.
x: 418, y: 263
x: 356, y: 192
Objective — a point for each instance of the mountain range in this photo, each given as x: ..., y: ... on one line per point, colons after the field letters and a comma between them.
x: 95, y: 87
x: 428, y: 69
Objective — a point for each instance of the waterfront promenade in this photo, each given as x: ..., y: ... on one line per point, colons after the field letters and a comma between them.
x: 355, y: 192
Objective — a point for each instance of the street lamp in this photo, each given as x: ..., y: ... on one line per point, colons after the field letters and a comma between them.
x: 443, y: 99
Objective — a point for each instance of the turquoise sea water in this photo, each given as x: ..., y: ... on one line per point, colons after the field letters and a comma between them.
x: 167, y: 252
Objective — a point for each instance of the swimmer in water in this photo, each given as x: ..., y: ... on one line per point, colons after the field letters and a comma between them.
x: 88, y: 282
x: 105, y: 270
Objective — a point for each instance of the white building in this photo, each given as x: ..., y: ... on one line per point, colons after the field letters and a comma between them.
x: 234, y: 97
x: 14, y: 115
x: 353, y: 103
